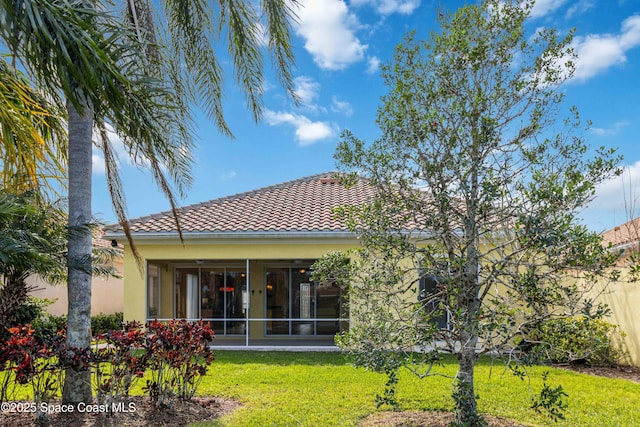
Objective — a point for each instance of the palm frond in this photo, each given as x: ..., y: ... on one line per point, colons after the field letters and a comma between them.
x: 279, y: 15
x: 32, y: 134
x: 33, y: 236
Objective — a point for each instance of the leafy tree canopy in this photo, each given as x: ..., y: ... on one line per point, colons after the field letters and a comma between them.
x: 473, y: 238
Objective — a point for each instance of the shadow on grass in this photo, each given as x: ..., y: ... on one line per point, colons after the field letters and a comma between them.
x: 498, y: 365
x: 283, y: 358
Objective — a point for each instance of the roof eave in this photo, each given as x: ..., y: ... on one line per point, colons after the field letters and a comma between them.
x: 199, y: 235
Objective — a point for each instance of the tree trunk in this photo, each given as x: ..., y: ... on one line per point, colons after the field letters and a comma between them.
x: 13, y: 294
x: 77, y: 384
x: 466, y: 407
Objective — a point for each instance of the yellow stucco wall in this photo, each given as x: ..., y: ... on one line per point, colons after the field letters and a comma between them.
x: 623, y: 298
x: 238, y: 250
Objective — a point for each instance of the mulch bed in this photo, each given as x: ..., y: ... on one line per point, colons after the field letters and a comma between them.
x: 630, y: 373
x: 141, y: 413
x: 425, y: 419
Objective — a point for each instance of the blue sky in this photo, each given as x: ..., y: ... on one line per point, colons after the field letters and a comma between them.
x: 339, y: 45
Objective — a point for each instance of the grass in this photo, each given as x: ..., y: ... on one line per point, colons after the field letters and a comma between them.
x: 312, y: 389
x: 323, y: 389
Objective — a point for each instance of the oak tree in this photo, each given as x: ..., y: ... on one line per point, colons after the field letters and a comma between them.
x: 474, y: 236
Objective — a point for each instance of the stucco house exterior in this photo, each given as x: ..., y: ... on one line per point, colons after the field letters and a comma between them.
x: 107, y: 293
x: 623, y: 296
x: 244, y: 263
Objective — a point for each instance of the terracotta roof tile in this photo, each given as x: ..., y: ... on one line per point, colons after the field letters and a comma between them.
x: 629, y: 232
x: 296, y: 206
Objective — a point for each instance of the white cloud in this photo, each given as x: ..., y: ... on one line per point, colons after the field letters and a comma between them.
x: 387, y: 7
x: 373, y: 65
x: 598, y: 52
x: 226, y: 176
x: 306, y: 131
x: 630, y: 35
x: 579, y: 8
x: 307, y: 89
x: 613, y: 130
x: 261, y: 33
x: 544, y: 7
x: 341, y: 106
x: 617, y: 200
x: 328, y: 30
x: 118, y: 148
x: 97, y: 163
x: 536, y: 33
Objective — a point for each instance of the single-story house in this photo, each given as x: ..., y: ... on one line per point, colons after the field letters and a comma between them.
x: 244, y: 263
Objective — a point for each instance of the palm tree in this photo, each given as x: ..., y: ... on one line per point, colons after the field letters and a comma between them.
x: 105, y: 72
x: 33, y: 240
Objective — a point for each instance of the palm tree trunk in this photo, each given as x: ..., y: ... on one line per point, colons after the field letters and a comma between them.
x: 77, y: 384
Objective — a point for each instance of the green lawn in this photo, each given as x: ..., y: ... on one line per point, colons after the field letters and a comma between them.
x: 322, y: 389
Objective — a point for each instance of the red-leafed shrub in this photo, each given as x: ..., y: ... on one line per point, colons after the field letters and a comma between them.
x: 176, y: 354
x: 179, y: 355
x: 29, y: 361
x: 119, y: 360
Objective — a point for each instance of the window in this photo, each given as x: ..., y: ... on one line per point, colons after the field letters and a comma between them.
x: 429, y: 285
x: 153, y: 291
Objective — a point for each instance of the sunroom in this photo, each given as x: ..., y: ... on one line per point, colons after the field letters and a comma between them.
x: 243, y: 264
x: 247, y: 301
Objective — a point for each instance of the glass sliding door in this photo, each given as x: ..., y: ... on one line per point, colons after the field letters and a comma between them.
x: 187, y: 293
x: 235, y: 294
x: 328, y: 306
x: 153, y: 291
x: 277, y: 291
x: 296, y: 306
x: 215, y: 294
x: 303, y: 302
x: 212, y: 302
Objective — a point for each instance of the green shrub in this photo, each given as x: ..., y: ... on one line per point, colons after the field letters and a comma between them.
x: 31, y: 310
x: 578, y: 340
x: 47, y: 326
x: 103, y: 323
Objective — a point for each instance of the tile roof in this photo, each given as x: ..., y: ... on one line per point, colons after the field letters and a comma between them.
x: 629, y: 232
x: 99, y: 243
x: 302, y: 205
